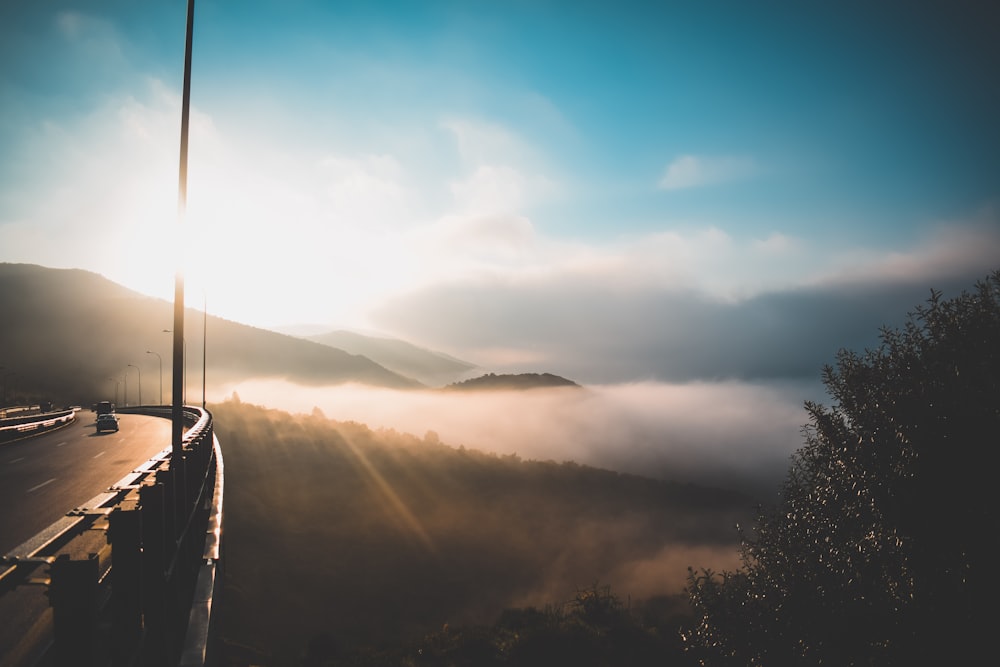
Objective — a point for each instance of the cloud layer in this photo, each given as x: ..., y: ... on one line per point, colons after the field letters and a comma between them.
x: 615, y: 317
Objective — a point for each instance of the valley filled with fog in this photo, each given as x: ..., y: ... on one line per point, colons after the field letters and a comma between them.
x: 729, y: 434
x: 382, y: 537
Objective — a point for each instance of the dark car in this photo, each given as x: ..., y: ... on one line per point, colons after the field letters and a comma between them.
x: 107, y: 422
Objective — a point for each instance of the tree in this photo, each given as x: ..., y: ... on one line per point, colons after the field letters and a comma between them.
x: 878, y: 551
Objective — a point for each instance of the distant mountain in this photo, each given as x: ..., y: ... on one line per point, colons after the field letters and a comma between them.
x: 519, y: 381
x: 429, y: 367
x: 69, y: 335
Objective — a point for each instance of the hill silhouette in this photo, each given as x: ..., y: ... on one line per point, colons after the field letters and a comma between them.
x: 512, y: 381
x: 68, y: 332
x: 377, y: 538
x: 429, y: 367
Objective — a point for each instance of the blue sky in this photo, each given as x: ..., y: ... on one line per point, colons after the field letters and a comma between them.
x: 611, y: 191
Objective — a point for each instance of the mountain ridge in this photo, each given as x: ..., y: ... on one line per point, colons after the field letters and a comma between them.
x: 69, y: 333
x: 430, y: 367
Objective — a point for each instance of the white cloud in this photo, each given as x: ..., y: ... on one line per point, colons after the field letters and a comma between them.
x: 499, y: 235
x: 501, y: 172
x: 480, y: 142
x: 367, y: 189
x: 491, y: 188
x: 777, y: 244
x: 94, y: 38
x: 680, y: 306
x: 708, y: 260
x: 73, y: 24
x: 693, y: 171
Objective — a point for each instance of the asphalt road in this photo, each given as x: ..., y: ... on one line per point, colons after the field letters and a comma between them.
x: 44, y: 477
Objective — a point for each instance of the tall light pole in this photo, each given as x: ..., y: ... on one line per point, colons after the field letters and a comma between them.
x: 139, y: 373
x: 161, y: 372
x: 177, y: 409
x: 125, y: 388
x: 204, y: 346
x: 184, y: 347
x: 116, y: 388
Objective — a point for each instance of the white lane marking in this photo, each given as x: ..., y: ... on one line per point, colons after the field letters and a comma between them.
x: 35, y: 488
x: 60, y: 444
x: 98, y: 454
x: 20, y: 458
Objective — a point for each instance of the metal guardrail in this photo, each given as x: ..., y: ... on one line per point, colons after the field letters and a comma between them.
x: 6, y: 412
x: 148, y: 597
x: 12, y: 428
x: 198, y: 646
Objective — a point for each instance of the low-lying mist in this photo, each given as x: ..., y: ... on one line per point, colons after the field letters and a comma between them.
x: 734, y: 434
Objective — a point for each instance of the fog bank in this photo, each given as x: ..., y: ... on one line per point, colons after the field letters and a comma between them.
x: 725, y: 433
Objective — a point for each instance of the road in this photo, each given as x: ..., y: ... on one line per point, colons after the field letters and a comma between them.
x: 44, y: 477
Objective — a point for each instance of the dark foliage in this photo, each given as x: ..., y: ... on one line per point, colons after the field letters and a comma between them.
x: 594, y: 629
x: 880, y: 550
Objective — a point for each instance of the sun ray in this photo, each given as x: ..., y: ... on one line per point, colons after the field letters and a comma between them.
x: 401, y: 512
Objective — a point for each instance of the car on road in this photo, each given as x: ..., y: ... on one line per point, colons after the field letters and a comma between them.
x: 107, y: 422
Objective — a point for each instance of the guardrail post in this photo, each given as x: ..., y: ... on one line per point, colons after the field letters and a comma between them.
x: 125, y: 537
x: 73, y: 596
x: 178, y: 478
x: 154, y: 563
x: 189, y: 540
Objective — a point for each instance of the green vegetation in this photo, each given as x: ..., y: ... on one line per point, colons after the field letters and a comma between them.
x: 882, y: 548
x: 378, y: 539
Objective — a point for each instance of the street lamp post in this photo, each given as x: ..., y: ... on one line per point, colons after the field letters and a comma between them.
x: 180, y: 356
x: 204, y: 347
x: 184, y: 371
x: 161, y: 372
x: 125, y: 387
x: 139, y: 373
x: 116, y: 388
